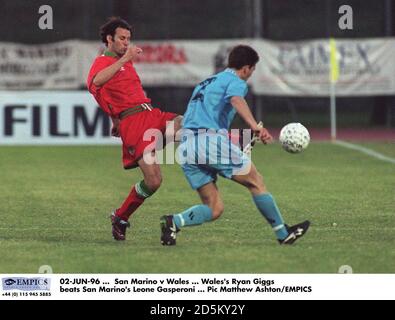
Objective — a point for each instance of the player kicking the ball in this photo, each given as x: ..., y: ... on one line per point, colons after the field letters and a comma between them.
x: 114, y: 83
x: 206, y: 154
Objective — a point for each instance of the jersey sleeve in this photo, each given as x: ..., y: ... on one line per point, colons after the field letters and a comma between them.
x: 236, y: 88
x: 99, y: 64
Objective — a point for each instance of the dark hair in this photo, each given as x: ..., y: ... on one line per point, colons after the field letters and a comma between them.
x: 241, y: 56
x: 111, y: 25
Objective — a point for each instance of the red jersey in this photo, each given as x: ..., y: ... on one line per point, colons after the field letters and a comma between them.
x: 122, y: 91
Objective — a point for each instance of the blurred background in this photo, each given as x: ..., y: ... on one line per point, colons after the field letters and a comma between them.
x: 277, y: 20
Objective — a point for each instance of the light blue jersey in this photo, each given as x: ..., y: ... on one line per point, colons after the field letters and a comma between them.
x: 206, y: 150
x: 210, y: 107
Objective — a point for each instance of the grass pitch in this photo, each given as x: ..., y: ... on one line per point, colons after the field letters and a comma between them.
x: 55, y: 202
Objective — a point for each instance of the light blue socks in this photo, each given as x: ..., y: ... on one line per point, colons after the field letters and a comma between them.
x: 268, y: 208
x: 265, y: 203
x: 193, y: 216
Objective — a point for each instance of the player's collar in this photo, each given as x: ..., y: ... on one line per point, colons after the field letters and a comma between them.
x: 109, y: 54
x: 231, y: 71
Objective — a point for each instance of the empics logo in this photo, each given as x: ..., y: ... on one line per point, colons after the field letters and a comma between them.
x: 9, y: 282
x: 26, y: 284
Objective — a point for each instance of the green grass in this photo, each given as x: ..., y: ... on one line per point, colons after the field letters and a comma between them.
x: 55, y: 201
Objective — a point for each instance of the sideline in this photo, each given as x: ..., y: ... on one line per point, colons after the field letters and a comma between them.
x: 367, y: 151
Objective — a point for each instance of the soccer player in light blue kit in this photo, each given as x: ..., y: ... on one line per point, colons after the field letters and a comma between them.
x: 207, y: 151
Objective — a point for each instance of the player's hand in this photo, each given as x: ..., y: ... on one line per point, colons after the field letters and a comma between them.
x: 131, y: 53
x: 264, y: 135
x: 115, y: 131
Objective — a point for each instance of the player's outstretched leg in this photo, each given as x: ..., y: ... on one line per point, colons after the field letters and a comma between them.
x: 211, y: 209
x: 269, y: 209
x: 267, y: 206
x: 171, y: 224
x: 139, y: 193
x: 120, y: 217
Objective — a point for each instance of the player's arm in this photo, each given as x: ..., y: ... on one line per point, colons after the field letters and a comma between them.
x: 107, y: 73
x: 241, y: 106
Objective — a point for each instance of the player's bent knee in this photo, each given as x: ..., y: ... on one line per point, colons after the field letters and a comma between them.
x: 144, y: 190
x: 154, y: 183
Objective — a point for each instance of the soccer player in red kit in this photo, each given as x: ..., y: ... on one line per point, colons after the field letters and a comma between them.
x: 117, y: 88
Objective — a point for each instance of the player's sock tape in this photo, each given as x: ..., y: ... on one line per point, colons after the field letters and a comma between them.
x: 143, y: 190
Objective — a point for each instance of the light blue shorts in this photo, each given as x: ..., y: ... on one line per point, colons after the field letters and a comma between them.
x: 205, y: 155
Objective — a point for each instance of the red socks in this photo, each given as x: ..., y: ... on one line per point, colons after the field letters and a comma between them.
x: 130, y: 205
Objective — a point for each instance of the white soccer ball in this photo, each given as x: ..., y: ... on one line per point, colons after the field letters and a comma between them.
x: 294, y: 137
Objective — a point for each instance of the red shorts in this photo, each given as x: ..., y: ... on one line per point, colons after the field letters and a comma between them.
x: 132, y: 130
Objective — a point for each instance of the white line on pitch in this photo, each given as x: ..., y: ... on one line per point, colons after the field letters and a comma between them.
x: 367, y: 151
